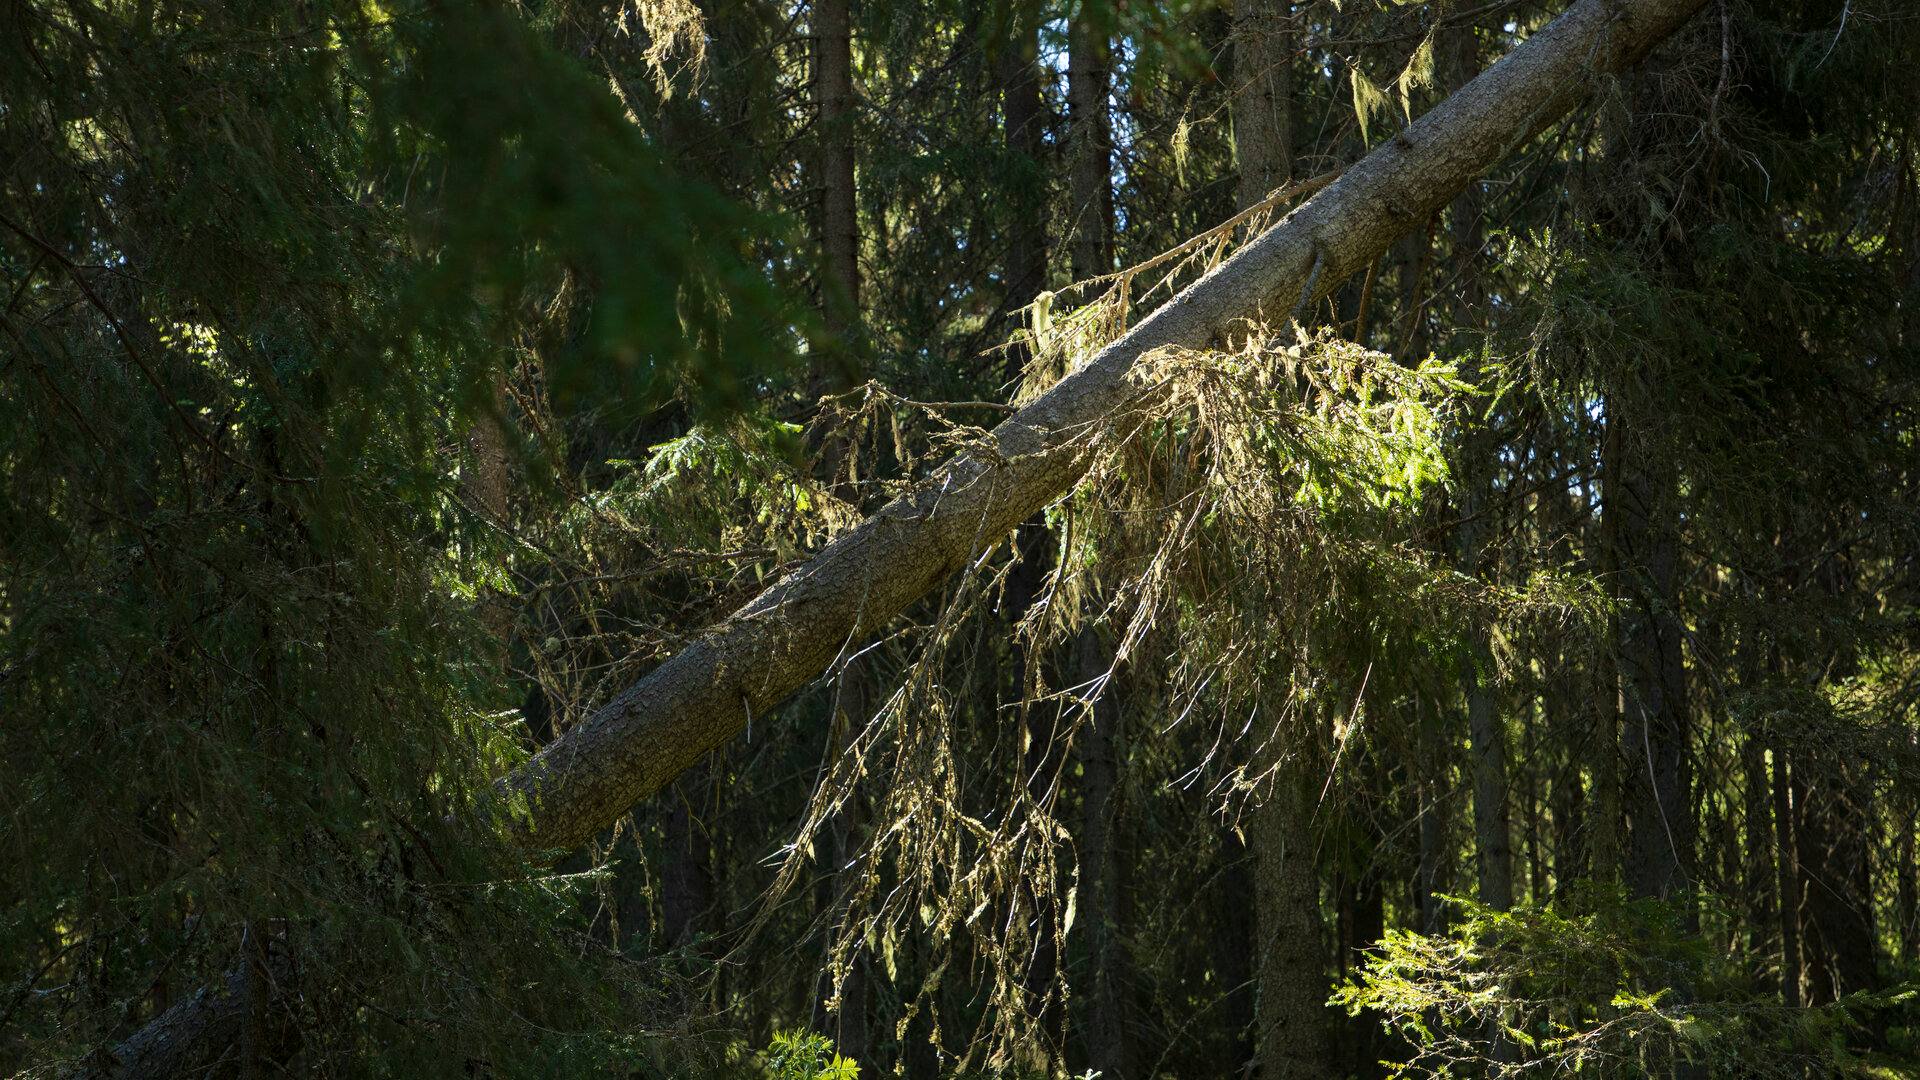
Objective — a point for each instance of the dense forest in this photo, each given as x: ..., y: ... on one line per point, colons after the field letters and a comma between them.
x: 1032, y: 538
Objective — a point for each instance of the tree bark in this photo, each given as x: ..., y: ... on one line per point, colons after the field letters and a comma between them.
x: 839, y: 223
x: 1836, y: 880
x: 1653, y: 742
x: 798, y: 627
x: 1606, y: 675
x: 1109, y: 1039
x: 1091, y: 150
x: 1022, y: 114
x: 1789, y: 874
x: 1262, y: 98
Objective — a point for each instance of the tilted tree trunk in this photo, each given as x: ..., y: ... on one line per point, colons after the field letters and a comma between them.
x: 797, y: 628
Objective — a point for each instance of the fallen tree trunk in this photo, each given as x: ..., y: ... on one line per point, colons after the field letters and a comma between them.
x: 803, y: 624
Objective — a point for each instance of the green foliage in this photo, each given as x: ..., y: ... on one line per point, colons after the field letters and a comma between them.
x: 798, y: 1055
x: 262, y: 266
x: 1597, y: 983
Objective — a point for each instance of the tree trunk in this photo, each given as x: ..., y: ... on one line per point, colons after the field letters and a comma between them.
x: 1435, y: 787
x: 1757, y: 871
x: 686, y: 878
x: 1109, y: 1039
x: 1090, y: 145
x: 1789, y: 875
x: 486, y: 490
x: 1262, y: 97
x: 1654, y: 735
x: 796, y: 628
x: 1023, y: 120
x: 1606, y: 675
x: 839, y: 223
x: 1492, y: 823
x: 1835, y: 879
x: 1290, y: 966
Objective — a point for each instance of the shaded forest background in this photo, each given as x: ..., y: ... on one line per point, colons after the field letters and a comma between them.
x: 1504, y: 665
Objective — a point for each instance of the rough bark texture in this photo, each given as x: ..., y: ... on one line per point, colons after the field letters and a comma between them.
x: 1290, y: 962
x: 686, y: 876
x: 1023, y: 120
x: 839, y: 225
x: 1487, y: 745
x: 1262, y: 98
x: 227, y: 1029
x: 798, y: 627
x: 1291, y: 965
x: 1757, y: 869
x: 1492, y: 822
x: 1091, y: 151
x: 487, y: 488
x: 1109, y: 1039
x: 1654, y: 731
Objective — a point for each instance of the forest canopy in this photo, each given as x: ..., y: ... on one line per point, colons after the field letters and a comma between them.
x: 935, y: 539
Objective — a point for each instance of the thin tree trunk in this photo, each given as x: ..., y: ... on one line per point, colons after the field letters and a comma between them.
x: 839, y: 223
x: 1606, y: 690
x: 1262, y: 97
x: 1836, y: 881
x: 1655, y: 732
x: 1291, y: 963
x: 1023, y: 121
x: 487, y: 491
x: 1492, y: 824
x: 847, y: 1024
x: 686, y: 877
x: 1758, y: 872
x: 1291, y: 968
x: 1789, y: 875
x: 1109, y: 1038
x: 1436, y: 773
x: 1090, y: 136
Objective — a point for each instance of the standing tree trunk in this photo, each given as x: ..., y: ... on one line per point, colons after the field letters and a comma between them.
x: 1757, y: 871
x: 1836, y: 880
x: 1090, y: 143
x: 1290, y: 968
x: 846, y: 1024
x: 1789, y: 875
x: 1109, y: 1038
x: 1025, y: 275
x: 1487, y: 742
x: 1606, y: 676
x: 839, y: 223
x: 1654, y: 735
x: 1435, y: 771
x: 1262, y: 97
